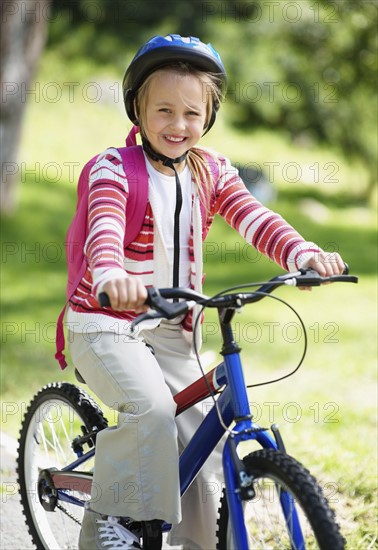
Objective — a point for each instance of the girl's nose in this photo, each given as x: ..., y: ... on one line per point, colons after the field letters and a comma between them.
x: 178, y: 123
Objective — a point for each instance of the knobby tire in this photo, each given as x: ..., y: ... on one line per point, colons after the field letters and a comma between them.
x: 266, y: 527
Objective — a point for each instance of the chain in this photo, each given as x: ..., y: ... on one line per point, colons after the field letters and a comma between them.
x: 60, y: 507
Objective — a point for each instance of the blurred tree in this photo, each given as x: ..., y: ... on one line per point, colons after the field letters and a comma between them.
x: 23, y: 26
x: 106, y: 29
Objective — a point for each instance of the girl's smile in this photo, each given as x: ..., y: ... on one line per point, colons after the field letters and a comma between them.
x: 175, y: 139
x: 175, y: 114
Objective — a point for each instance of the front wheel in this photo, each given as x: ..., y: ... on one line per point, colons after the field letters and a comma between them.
x: 281, y: 483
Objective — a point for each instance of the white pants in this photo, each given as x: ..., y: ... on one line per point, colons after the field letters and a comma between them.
x: 136, y: 468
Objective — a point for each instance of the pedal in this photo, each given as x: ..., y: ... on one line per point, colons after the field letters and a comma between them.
x: 152, y: 535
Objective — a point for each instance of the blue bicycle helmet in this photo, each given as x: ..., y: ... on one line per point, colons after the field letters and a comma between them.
x: 161, y: 51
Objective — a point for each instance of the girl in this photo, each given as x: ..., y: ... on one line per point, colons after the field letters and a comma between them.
x: 172, y: 91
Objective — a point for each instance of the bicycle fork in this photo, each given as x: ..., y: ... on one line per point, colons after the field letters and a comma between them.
x: 239, y: 483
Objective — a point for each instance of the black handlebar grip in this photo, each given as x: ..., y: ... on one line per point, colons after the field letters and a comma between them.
x: 103, y: 299
x: 346, y: 269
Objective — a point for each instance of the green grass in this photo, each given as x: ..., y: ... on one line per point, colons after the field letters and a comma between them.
x: 327, y: 410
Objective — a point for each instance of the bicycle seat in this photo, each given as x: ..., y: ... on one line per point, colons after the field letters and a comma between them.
x: 79, y: 378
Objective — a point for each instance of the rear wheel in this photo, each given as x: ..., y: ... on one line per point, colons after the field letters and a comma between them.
x: 279, y: 480
x: 58, y: 414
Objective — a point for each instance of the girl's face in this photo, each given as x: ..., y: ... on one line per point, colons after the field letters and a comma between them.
x: 175, y: 112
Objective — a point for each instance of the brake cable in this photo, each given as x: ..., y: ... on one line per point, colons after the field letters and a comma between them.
x: 196, y: 351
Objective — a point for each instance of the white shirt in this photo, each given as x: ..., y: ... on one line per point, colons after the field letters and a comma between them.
x: 162, y: 195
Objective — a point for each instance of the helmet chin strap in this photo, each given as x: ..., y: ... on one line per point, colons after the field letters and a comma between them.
x: 167, y: 161
x: 170, y: 162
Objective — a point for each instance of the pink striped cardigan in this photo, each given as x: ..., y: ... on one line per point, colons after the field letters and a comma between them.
x: 259, y: 226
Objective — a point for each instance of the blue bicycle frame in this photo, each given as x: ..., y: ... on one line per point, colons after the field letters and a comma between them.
x: 232, y: 406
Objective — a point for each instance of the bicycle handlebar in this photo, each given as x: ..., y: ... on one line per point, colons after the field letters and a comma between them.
x: 157, y: 298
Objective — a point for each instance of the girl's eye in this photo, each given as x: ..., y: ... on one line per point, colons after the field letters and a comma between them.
x: 193, y: 113
x: 164, y: 110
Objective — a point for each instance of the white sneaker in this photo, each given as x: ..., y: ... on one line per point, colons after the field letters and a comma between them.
x: 113, y: 535
x: 99, y: 532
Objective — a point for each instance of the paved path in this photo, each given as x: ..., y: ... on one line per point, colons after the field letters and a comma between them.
x: 13, y: 531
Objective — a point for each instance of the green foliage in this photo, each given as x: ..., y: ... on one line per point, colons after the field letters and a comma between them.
x: 107, y: 30
x: 307, y: 67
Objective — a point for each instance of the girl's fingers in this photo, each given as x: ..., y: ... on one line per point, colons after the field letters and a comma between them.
x: 333, y: 264
x: 327, y: 264
x: 126, y: 294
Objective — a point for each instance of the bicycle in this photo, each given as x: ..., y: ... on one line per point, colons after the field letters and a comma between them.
x: 269, y: 501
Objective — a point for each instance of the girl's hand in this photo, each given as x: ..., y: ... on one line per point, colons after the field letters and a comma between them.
x: 326, y: 265
x: 126, y: 294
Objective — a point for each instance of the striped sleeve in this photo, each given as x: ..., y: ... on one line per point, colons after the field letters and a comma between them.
x: 268, y: 232
x: 108, y: 192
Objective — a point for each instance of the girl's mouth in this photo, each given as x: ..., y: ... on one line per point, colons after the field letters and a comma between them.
x: 175, y: 139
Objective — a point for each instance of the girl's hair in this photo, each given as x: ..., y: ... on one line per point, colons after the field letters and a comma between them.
x: 212, y: 92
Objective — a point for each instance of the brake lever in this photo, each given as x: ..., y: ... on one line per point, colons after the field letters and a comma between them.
x: 310, y: 277
x: 162, y: 309
x: 342, y: 279
x: 145, y: 317
x: 168, y: 310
